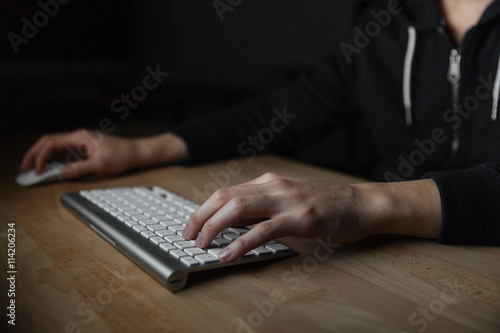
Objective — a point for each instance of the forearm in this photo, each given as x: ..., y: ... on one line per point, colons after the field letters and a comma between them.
x: 161, y: 149
x: 410, y: 208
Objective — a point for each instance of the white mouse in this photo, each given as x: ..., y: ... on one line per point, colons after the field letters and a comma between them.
x: 50, y: 172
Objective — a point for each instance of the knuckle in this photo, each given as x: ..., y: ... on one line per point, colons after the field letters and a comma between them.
x: 82, y: 134
x: 238, y: 203
x: 307, y: 213
x: 222, y: 194
x: 281, y: 183
x: 82, y: 131
x: 268, y: 176
x: 195, y: 219
x: 47, y: 138
x: 209, y: 227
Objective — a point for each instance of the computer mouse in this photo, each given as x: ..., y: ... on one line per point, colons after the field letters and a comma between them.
x: 50, y: 173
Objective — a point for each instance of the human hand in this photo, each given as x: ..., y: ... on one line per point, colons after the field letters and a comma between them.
x: 87, y: 152
x: 286, y: 206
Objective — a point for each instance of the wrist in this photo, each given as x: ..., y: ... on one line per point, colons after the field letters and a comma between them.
x: 161, y: 149
x: 410, y: 208
x: 375, y: 204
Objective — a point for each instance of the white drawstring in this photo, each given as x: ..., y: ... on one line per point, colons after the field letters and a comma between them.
x: 410, y: 51
x: 496, y: 92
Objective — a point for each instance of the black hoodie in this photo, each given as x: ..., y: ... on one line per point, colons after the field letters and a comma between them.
x: 428, y: 108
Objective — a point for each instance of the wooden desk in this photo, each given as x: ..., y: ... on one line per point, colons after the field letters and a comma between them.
x: 70, y: 279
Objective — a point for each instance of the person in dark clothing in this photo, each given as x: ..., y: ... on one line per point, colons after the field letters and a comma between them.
x: 423, y: 78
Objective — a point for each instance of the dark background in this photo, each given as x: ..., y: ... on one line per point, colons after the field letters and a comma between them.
x: 89, y: 53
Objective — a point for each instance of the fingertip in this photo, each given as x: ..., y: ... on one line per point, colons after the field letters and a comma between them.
x: 39, y: 167
x: 226, y: 255
x: 64, y: 173
x: 185, y: 232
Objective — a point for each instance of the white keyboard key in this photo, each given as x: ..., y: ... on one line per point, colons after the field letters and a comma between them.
x: 140, y: 217
x: 190, y: 261
x: 193, y: 251
x: 147, y: 222
x: 148, y: 234
x: 177, y: 254
x: 157, y: 216
x: 184, y: 244
x: 176, y: 228
x: 114, y: 213
x: 139, y: 228
x: 123, y: 218
x: 215, y: 251
x: 181, y: 220
x: 206, y: 258
x: 261, y: 250
x: 174, y: 215
x: 130, y: 223
x: 163, y: 233
x: 174, y: 238
x: 157, y: 240
x: 150, y: 212
x: 277, y: 248
x: 239, y: 231
x: 167, y: 247
x: 167, y: 223
x: 231, y: 236
x: 132, y: 212
x: 155, y: 227
x: 248, y: 254
x: 220, y: 241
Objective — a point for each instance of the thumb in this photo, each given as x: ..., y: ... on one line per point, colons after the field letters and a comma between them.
x: 78, y: 169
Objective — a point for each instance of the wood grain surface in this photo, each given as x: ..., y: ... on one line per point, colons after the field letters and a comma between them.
x: 70, y: 280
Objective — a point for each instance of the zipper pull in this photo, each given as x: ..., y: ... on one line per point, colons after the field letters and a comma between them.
x: 454, y: 69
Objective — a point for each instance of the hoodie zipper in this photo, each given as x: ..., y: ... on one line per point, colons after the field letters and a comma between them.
x: 454, y: 75
x: 454, y: 78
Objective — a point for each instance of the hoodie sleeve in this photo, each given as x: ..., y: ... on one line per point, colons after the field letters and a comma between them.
x: 282, y: 122
x: 470, y: 205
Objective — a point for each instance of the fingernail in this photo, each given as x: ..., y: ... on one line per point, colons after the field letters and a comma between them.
x: 199, y: 240
x: 65, y: 172
x: 185, y: 232
x: 226, y: 254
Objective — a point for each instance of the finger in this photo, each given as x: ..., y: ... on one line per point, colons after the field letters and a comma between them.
x: 236, y: 209
x: 259, y: 235
x: 80, y: 139
x: 78, y: 169
x: 29, y: 156
x: 43, y: 155
x: 57, y: 143
x: 216, y: 202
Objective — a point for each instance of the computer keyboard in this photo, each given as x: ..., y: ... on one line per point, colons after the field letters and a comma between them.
x: 146, y: 224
